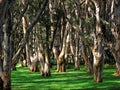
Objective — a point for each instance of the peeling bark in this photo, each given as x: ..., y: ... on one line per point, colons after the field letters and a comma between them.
x: 115, y: 29
x: 61, y: 58
x: 98, y: 46
x: 5, y: 62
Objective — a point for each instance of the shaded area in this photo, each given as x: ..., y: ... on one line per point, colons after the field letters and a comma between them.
x: 22, y: 79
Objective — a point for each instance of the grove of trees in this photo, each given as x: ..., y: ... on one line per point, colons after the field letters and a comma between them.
x: 43, y: 32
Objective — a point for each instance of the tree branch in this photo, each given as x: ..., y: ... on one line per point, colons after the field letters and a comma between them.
x: 29, y: 29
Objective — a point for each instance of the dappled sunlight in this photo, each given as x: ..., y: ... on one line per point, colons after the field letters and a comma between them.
x: 22, y: 79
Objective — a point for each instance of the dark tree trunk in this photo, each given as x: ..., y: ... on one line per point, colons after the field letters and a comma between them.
x: 47, y: 53
x: 7, y: 55
x: 5, y: 72
x: 1, y: 70
x: 77, y: 61
x: 88, y: 61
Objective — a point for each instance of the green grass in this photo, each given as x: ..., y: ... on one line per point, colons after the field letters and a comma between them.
x: 22, y: 79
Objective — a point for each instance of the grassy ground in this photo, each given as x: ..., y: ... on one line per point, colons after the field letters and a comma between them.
x: 22, y: 79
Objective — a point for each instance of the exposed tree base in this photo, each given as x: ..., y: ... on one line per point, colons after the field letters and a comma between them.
x: 1, y: 84
x: 77, y: 65
x: 33, y: 69
x: 88, y: 64
x: 98, y: 69
x: 23, y: 63
x: 46, y: 74
x: 98, y: 80
x: 117, y: 73
x: 90, y: 71
x: 61, y: 68
x: 6, y: 81
x: 13, y: 69
x: 76, y: 68
x: 61, y: 71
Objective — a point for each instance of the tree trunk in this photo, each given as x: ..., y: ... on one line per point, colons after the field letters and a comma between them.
x: 5, y: 62
x: 115, y: 7
x: 87, y: 60
x: 47, y: 53
x: 47, y: 64
x: 7, y: 55
x: 1, y: 70
x: 1, y: 59
x: 33, y: 61
x: 41, y: 59
x: 26, y: 52
x: 77, y: 61
x: 56, y: 53
x: 98, y: 48
x: 61, y: 58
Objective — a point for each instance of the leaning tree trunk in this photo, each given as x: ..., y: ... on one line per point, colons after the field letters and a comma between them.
x: 98, y: 48
x: 5, y: 63
x: 87, y: 60
x: 27, y: 59
x: 27, y: 49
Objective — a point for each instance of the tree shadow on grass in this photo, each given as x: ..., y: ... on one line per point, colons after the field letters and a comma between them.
x: 71, y: 80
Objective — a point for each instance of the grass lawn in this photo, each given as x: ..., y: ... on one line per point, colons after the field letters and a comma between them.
x: 22, y: 79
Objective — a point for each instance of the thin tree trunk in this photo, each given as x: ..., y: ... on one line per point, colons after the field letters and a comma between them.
x: 77, y: 62
x: 27, y: 59
x: 24, y: 22
x: 1, y: 59
x: 61, y: 58
x: 47, y: 54
x: 56, y: 53
x: 1, y: 70
x: 47, y: 63
x: 29, y: 29
x: 41, y: 58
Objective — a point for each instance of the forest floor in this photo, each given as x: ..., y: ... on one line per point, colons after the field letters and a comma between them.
x: 22, y: 79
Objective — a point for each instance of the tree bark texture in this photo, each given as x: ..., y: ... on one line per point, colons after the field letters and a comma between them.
x: 115, y: 29
x: 98, y: 48
x: 5, y: 66
x: 61, y: 58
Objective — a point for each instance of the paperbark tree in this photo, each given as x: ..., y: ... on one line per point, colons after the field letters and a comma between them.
x: 115, y: 29
x: 6, y: 28
x: 29, y: 29
x: 81, y: 27
x: 61, y: 57
x: 98, y: 45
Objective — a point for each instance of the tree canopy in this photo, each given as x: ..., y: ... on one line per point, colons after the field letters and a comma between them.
x: 33, y: 31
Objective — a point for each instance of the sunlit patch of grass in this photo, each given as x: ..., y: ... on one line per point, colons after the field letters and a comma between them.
x: 22, y: 79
